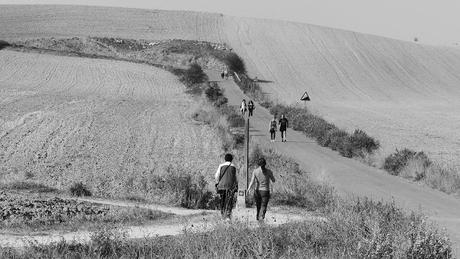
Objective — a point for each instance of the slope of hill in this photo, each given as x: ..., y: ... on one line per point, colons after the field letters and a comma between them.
x: 404, y: 94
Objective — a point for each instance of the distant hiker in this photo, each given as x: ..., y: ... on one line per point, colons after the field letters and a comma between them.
x: 251, y: 107
x: 226, y: 185
x: 284, y: 124
x: 272, y: 129
x: 261, y: 178
x: 222, y: 74
x: 243, y: 107
x: 226, y: 74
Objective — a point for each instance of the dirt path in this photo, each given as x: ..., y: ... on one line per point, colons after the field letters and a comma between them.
x: 349, y: 176
x: 197, y: 221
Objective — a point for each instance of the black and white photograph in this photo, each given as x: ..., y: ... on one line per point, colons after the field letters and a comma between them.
x: 229, y: 129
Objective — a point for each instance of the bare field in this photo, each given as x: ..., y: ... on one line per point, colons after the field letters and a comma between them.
x: 109, y: 124
x: 403, y: 93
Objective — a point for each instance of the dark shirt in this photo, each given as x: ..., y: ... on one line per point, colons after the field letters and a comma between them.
x: 283, y: 123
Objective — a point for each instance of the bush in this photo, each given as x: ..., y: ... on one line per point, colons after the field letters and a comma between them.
x: 397, y: 161
x: 358, y: 144
x: 192, y: 76
x: 179, y: 187
x: 79, y: 189
x: 235, y: 63
x: 4, y: 44
x: 215, y: 94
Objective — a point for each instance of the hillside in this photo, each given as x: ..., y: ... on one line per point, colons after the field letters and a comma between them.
x: 404, y: 94
x: 115, y: 126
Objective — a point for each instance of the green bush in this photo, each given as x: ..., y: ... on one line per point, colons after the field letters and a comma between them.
x: 4, y: 44
x: 215, y: 94
x: 192, y: 76
x: 79, y: 189
x: 235, y: 63
x: 397, y: 161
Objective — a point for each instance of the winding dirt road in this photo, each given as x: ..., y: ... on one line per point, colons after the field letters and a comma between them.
x: 351, y: 177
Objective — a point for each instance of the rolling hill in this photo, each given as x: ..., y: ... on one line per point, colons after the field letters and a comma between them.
x: 404, y: 94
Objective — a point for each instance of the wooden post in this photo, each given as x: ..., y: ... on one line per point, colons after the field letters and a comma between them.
x: 247, y: 159
x: 242, y: 200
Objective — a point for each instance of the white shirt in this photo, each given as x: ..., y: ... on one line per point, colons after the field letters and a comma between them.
x: 216, y: 176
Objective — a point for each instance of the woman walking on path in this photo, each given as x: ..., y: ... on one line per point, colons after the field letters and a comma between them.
x: 243, y: 107
x: 272, y: 129
x: 261, y: 177
x: 251, y: 107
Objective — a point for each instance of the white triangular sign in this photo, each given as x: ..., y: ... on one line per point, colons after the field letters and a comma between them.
x: 305, y: 97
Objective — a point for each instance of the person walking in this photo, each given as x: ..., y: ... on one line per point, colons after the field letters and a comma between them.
x: 272, y: 129
x: 222, y: 74
x: 251, y: 107
x: 284, y: 124
x: 261, y: 178
x: 243, y: 107
x: 226, y: 185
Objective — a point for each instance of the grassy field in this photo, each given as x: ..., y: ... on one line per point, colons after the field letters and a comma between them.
x: 111, y: 125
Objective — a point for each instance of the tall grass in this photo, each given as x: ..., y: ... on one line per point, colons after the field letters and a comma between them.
x: 293, y: 186
x: 355, y: 229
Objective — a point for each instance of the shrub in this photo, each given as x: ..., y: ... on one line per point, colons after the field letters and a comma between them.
x: 358, y: 144
x: 215, y: 94
x: 397, y: 161
x: 180, y: 187
x: 192, y: 76
x: 4, y: 44
x: 79, y: 189
x: 235, y: 63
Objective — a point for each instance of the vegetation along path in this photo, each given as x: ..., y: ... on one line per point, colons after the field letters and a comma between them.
x: 351, y: 177
x: 191, y: 220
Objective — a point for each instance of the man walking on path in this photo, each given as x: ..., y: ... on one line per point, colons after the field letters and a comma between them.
x: 226, y: 185
x: 284, y: 124
x: 272, y: 129
x: 261, y: 177
x: 251, y: 107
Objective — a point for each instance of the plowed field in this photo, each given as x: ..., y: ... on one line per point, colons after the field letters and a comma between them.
x: 106, y: 123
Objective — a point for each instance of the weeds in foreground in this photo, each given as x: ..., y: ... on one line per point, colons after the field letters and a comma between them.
x: 355, y: 229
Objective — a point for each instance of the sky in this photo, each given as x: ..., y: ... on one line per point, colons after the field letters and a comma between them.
x: 431, y: 21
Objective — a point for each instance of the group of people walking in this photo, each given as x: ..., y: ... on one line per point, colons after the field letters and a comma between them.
x: 227, y: 186
x: 247, y: 107
x: 283, y: 125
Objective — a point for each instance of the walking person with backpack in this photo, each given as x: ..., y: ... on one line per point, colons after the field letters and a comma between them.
x: 272, y: 129
x: 284, y: 124
x: 251, y: 107
x: 226, y: 185
x: 261, y: 178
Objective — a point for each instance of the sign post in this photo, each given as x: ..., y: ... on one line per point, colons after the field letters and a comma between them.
x: 242, y: 200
